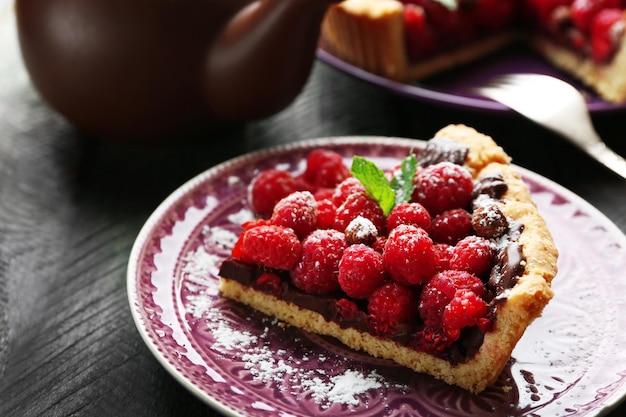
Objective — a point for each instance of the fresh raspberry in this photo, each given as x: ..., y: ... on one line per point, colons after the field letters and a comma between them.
x: 489, y: 221
x: 453, y: 26
x: 359, y: 205
x: 379, y: 244
x: 408, y: 213
x: 325, y: 214
x: 298, y: 211
x: 271, y: 246
x: 439, y: 291
x: 606, y: 30
x: 254, y: 223
x: 443, y: 186
x: 269, y: 282
x: 451, y: 226
x: 361, y: 230
x: 347, y: 309
x: 444, y: 253
x: 473, y: 254
x: 390, y: 306
x: 583, y: 12
x: 420, y: 38
x: 347, y: 187
x: 268, y: 187
x: 325, y: 168
x: 316, y: 271
x: 433, y: 340
x: 361, y: 271
x: 237, y: 251
x: 409, y: 256
x: 324, y: 194
x: 464, y: 310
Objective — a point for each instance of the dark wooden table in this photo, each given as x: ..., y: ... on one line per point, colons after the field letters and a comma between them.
x: 71, y: 207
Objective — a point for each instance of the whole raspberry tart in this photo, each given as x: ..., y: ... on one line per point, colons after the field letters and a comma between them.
x: 439, y: 264
x: 413, y: 39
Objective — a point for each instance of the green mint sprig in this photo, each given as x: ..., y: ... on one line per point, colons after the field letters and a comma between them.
x: 388, y: 193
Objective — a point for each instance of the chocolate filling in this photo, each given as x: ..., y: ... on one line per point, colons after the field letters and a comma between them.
x: 509, y: 267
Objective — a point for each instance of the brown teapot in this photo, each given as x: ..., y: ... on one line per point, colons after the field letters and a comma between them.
x: 144, y: 69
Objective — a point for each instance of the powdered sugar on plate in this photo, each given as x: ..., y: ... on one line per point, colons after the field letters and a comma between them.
x: 286, y: 371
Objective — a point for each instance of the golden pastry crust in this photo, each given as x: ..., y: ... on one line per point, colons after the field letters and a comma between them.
x: 368, y: 34
x: 524, y: 301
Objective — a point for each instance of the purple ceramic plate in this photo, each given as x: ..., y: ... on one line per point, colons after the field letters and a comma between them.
x: 571, y: 361
x: 455, y: 87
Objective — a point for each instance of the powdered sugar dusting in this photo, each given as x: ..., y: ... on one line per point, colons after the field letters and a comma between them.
x: 289, y: 371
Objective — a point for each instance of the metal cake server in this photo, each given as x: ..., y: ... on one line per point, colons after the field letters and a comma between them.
x: 555, y: 105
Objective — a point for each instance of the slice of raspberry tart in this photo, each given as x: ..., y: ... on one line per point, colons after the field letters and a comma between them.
x: 439, y: 264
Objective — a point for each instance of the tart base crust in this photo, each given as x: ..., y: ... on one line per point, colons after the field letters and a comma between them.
x: 524, y: 301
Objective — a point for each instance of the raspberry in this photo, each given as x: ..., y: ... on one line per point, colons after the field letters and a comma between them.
x: 254, y: 223
x: 606, y: 30
x: 420, y: 38
x: 489, y: 221
x: 325, y: 214
x: 271, y: 246
x: 390, y: 306
x: 361, y: 230
x: 408, y: 213
x: 444, y: 253
x: 464, y: 310
x: 473, y: 254
x: 347, y: 309
x: 268, y: 187
x: 361, y: 271
x: 317, y: 270
x: 443, y: 186
x: 298, y: 211
x: 325, y: 168
x: 452, y: 28
x: 324, y: 194
x: 409, y: 256
x: 451, y: 226
x: 433, y: 340
x: 347, y: 187
x: 359, y: 205
x: 583, y: 12
x: 269, y: 282
x: 379, y: 244
x: 440, y: 290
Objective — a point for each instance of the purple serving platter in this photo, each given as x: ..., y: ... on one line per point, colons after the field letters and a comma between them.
x: 455, y: 88
x: 570, y: 362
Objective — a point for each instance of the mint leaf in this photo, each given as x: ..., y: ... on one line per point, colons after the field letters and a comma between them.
x: 402, y: 183
x: 374, y: 181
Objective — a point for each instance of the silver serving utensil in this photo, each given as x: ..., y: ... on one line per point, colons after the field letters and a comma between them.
x: 556, y: 105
